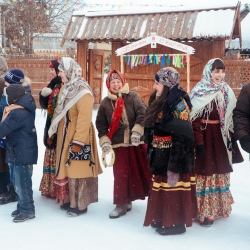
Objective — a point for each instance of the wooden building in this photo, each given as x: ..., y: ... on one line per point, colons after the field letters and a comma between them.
x: 206, y: 30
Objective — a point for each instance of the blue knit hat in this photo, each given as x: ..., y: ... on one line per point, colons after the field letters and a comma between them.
x: 15, y: 76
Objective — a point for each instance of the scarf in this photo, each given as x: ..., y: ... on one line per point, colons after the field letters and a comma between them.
x: 202, y: 97
x: 74, y: 89
x: 119, y: 102
x: 118, y: 109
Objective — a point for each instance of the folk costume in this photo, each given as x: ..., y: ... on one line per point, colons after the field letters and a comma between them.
x: 171, y: 202
x: 119, y: 124
x: 48, y: 99
x: 76, y: 185
x: 216, y: 149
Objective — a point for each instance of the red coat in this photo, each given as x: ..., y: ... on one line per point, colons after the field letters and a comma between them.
x: 216, y: 159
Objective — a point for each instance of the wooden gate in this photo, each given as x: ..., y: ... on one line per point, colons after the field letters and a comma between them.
x: 95, y: 74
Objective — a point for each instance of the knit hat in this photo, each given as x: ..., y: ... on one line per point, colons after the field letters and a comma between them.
x: 15, y: 76
x: 54, y: 64
x: 13, y: 92
x: 168, y: 76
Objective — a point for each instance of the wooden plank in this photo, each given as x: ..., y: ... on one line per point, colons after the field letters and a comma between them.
x: 104, y: 28
x: 147, y: 28
x: 185, y: 25
x: 85, y: 30
x: 170, y: 26
x: 117, y: 31
x: 178, y: 25
x: 131, y: 27
x: 163, y: 19
x: 139, y: 25
x: 191, y: 30
x: 126, y: 18
x: 155, y: 22
x: 96, y: 34
x: 91, y: 28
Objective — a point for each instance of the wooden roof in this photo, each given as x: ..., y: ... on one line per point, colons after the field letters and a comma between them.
x: 181, y: 26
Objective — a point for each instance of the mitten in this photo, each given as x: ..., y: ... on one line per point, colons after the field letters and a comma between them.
x: 46, y: 92
x: 200, y: 150
x: 172, y: 178
x: 135, y: 138
x: 106, y: 147
x: 245, y: 143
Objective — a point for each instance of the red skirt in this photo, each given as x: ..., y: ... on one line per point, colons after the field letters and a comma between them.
x: 132, y: 177
x: 172, y: 205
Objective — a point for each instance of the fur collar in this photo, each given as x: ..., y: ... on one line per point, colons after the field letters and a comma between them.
x: 123, y: 90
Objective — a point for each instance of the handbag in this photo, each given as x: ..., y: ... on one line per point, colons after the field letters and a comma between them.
x: 80, y: 153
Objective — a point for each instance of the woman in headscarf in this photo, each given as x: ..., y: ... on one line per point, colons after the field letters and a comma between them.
x: 4, y: 170
x: 119, y: 124
x: 48, y: 99
x: 76, y: 182
x: 169, y: 135
x: 213, y: 103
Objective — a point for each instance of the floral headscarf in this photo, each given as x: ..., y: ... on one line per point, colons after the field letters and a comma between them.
x: 75, y: 88
x: 168, y: 76
x: 207, y: 91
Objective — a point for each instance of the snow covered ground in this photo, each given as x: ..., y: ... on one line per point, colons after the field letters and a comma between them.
x: 53, y: 230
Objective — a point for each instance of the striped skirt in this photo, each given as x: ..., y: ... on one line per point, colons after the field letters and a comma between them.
x: 172, y: 205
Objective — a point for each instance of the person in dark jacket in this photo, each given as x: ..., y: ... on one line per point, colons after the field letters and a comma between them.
x: 13, y: 76
x: 241, y: 118
x: 119, y: 124
x: 4, y: 169
x: 48, y: 100
x: 169, y: 136
x: 18, y: 127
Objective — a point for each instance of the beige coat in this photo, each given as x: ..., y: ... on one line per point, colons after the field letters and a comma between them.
x: 80, y: 115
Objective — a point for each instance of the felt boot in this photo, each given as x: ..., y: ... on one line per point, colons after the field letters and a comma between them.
x: 118, y: 211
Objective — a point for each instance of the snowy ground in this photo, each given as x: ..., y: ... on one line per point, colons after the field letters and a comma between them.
x: 52, y: 229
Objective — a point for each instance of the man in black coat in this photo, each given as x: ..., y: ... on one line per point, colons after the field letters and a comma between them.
x: 241, y: 118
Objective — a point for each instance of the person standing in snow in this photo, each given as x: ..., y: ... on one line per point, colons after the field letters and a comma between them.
x: 18, y: 127
x: 119, y: 124
x: 13, y: 76
x: 213, y: 103
x: 48, y: 99
x: 241, y: 118
x: 169, y: 136
x: 76, y: 181
x: 4, y: 169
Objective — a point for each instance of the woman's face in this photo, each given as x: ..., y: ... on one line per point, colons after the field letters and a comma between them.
x: 115, y: 85
x: 52, y: 72
x: 158, y: 87
x: 63, y: 76
x: 217, y: 75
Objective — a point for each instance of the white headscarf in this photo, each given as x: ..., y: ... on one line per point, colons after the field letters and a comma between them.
x: 75, y: 88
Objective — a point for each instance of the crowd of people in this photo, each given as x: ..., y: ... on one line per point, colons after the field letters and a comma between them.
x: 178, y: 150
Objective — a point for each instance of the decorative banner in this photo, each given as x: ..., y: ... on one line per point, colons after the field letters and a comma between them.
x: 155, y: 39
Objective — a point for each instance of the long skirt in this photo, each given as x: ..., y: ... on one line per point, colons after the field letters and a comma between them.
x: 132, y: 178
x: 172, y: 205
x: 214, y: 198
x: 49, y: 165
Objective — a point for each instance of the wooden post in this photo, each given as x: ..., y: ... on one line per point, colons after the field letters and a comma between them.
x: 188, y: 73
x: 122, y: 66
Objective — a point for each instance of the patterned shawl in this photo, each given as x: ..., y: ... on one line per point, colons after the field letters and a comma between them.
x: 75, y: 88
x: 202, y: 97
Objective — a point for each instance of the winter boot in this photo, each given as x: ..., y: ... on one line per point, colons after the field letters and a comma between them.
x: 65, y: 206
x: 156, y: 224
x: 10, y: 197
x: 118, y: 211
x: 22, y: 218
x: 176, y: 229
x: 15, y: 213
x: 129, y: 206
x: 72, y: 212
x: 207, y: 222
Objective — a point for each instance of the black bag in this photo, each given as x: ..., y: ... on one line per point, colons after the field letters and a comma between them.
x: 84, y: 154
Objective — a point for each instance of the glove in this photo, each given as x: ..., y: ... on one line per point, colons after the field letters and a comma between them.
x: 46, y: 92
x: 172, y: 178
x: 135, y: 138
x: 231, y: 144
x: 106, y: 147
x: 200, y: 150
x: 245, y: 143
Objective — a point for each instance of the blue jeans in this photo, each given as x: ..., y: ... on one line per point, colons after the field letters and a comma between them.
x: 23, y: 188
x: 11, y: 171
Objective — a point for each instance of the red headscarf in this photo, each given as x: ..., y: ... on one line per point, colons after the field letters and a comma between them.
x: 119, y: 104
